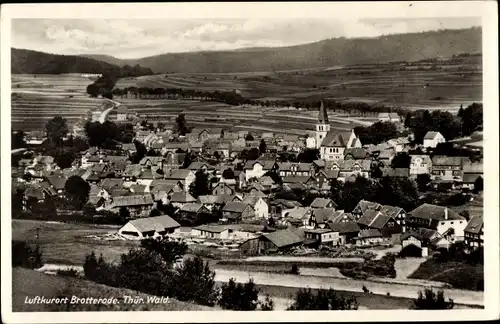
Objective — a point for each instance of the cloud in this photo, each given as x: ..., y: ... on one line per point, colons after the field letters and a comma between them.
x: 138, y: 38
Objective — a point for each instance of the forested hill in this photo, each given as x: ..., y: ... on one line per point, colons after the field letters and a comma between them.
x: 330, y: 52
x: 33, y: 62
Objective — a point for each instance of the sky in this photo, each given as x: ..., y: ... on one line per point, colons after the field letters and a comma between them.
x: 135, y: 38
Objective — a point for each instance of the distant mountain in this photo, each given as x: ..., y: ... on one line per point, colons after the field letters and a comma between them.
x: 330, y: 52
x: 108, y: 59
x: 33, y: 62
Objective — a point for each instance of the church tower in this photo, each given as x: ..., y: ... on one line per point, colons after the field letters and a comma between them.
x: 322, y: 126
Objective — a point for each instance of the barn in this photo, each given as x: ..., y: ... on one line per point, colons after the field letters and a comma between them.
x: 149, y: 227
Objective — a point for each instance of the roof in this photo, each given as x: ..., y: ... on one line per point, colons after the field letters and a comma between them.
x: 396, y: 173
x: 367, y: 233
x: 333, y: 139
x: 182, y: 197
x: 286, y: 203
x: 330, y: 174
x: 323, y: 215
x: 57, y: 182
x: 344, y: 227
x: 364, y: 205
x: 349, y: 165
x: 198, y: 165
x: 206, y: 199
x: 251, y: 200
x: 391, y: 211
x: 257, y: 192
x: 224, y: 198
x: 128, y: 147
x: 339, y: 215
x: 137, y: 188
x: 289, y: 166
x: 321, y: 202
x: 431, y: 135
x: 447, y: 160
x: 423, y: 234
x: 266, y: 164
x: 475, y: 225
x: 284, y: 238
x: 425, y: 158
x: 470, y: 167
x: 323, y: 115
x: 155, y: 160
x: 211, y: 228
x: 297, y: 213
x: 132, y: 170
x: 374, y: 219
x: 296, y: 179
x: 132, y: 200
x: 178, y: 174
x: 434, y: 212
x: 158, y: 223
x: 110, y: 183
x: 357, y: 152
x: 471, y: 177
x: 235, y: 207
x: 192, y: 207
x: 35, y: 192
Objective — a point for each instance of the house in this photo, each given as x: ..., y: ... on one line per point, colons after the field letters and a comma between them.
x: 474, y: 232
x: 373, y: 219
x: 179, y: 199
x: 389, y: 117
x: 259, y: 206
x: 323, y: 203
x: 109, y: 184
x: 296, y: 216
x: 442, y: 219
x: 471, y: 172
x: 347, y: 230
x: 184, y: 176
x: 137, y: 205
x: 279, y: 241
x: 295, y: 169
x: 396, y: 213
x: 222, y: 200
x: 349, y: 168
x: 396, y: 172
x: 363, y: 206
x: 35, y: 137
x: 152, y: 162
x: 194, y: 212
x: 447, y: 168
x: 207, y: 200
x: 223, y: 188
x: 369, y: 237
x: 323, y: 236
x: 356, y: 153
x: 423, y: 238
x: 235, y: 212
x: 257, y: 168
x: 198, y: 165
x: 331, y: 144
x: 211, y: 231
x: 320, y: 217
x: 325, y: 177
x: 432, y: 139
x: 57, y: 183
x: 149, y: 227
x: 420, y: 164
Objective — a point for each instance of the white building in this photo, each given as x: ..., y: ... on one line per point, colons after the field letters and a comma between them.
x: 149, y: 227
x: 432, y: 139
x: 420, y: 164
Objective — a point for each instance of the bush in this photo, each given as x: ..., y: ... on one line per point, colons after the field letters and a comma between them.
x: 267, y: 304
x: 239, y: 296
x: 431, y: 300
x: 68, y: 273
x: 305, y: 299
x: 380, y: 268
x: 294, y: 270
x: 26, y: 257
x: 411, y: 251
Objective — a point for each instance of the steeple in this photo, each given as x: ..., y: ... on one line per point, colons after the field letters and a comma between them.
x: 323, y: 116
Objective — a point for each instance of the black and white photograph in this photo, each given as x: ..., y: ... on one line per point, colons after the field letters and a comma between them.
x: 249, y: 157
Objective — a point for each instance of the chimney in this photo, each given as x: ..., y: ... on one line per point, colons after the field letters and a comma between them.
x: 445, y: 213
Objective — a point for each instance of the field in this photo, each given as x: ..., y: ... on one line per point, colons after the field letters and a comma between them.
x: 64, y: 243
x: 445, y: 85
x: 29, y: 283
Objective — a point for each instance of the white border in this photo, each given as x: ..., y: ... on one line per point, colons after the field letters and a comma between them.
x: 485, y: 9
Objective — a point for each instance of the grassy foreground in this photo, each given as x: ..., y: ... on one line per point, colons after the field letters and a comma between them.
x: 29, y: 283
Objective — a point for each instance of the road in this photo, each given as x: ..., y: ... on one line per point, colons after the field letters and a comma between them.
x: 104, y: 115
x: 466, y: 297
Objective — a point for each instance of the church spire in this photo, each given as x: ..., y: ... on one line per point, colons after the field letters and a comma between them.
x: 323, y: 116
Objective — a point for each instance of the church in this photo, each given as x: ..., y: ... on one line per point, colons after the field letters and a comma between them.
x: 332, y: 144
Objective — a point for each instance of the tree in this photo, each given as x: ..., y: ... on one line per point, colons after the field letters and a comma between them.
x: 77, y: 190
x: 305, y: 299
x: 228, y: 174
x: 262, y: 147
x: 200, y: 185
x: 93, y: 90
x: 90, y: 266
x: 180, y: 126
x: 401, y: 160
x: 308, y: 155
x: 124, y: 213
x: 17, y: 140
x: 26, y: 257
x: 237, y: 296
x: 65, y: 159
x: 169, y: 250
x: 249, y: 137
x: 472, y: 118
x: 253, y: 154
x: 56, y: 129
x: 194, y: 281
x: 267, y: 304
x: 432, y: 300
x: 422, y: 181
x: 479, y: 184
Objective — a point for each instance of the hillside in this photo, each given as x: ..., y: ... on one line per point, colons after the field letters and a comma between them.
x: 330, y: 52
x: 32, y: 62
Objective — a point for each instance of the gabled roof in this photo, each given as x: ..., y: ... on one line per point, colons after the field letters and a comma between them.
x: 206, y: 199
x: 257, y: 192
x: 439, y: 160
x: 182, y: 197
x: 344, y: 227
x: 470, y: 167
x: 296, y: 179
x: 284, y: 238
x: 211, y: 228
x: 391, y: 211
x: 155, y: 160
x: 339, y: 216
x: 299, y: 213
x: 374, y: 219
x: 471, y: 177
x: 35, y: 192
x: 132, y: 170
x: 192, y: 207
x: 224, y: 199
x: 364, y: 205
x: 158, y: 223
x: 178, y: 174
x: 357, y: 153
x: 266, y: 164
x: 110, y: 183
x: 425, y: 158
x: 423, y: 234
x: 251, y: 200
x: 323, y: 215
x: 333, y: 139
x: 296, y: 166
x: 132, y: 200
x: 235, y: 207
x: 474, y: 225
x: 198, y: 165
x: 330, y: 174
x: 349, y: 165
x: 137, y: 188
x: 396, y: 173
x: 57, y: 182
x: 431, y: 135
x: 322, y: 203
x: 434, y: 212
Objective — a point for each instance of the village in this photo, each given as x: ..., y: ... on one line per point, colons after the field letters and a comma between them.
x: 230, y: 194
